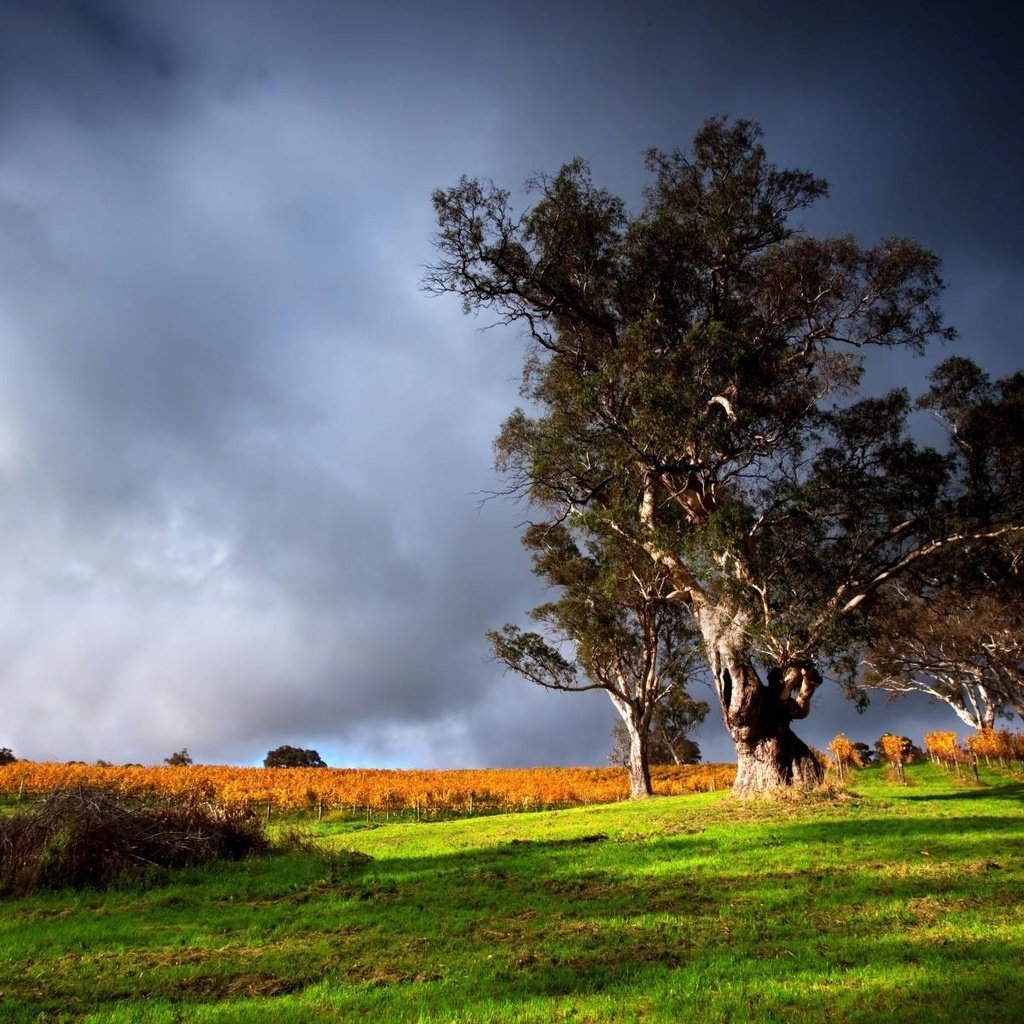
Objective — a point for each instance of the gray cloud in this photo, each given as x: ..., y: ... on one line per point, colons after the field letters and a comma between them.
x: 241, y: 452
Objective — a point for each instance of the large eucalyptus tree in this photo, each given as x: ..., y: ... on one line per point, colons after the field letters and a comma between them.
x: 692, y: 387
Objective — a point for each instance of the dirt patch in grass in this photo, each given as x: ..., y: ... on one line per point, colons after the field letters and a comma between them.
x: 375, y: 974
x: 256, y: 984
x: 589, y: 889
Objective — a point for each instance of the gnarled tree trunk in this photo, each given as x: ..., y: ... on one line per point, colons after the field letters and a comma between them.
x: 772, y: 759
x: 758, y: 715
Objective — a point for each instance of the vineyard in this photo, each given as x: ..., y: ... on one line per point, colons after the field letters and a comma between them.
x: 365, y: 791
x: 1000, y: 747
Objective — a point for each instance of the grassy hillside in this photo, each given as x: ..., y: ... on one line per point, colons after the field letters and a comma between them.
x: 893, y: 904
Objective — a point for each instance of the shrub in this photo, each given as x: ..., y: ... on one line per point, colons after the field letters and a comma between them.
x: 846, y: 753
x: 898, y: 751
x: 86, y: 838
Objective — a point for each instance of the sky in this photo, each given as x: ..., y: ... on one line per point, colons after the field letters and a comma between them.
x: 242, y: 454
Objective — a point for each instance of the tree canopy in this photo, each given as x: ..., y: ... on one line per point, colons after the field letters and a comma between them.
x: 693, y: 386
x: 958, y: 637
x: 293, y: 757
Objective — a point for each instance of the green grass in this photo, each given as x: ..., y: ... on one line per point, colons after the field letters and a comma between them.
x: 895, y: 904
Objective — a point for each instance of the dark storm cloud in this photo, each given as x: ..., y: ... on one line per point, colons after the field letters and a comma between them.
x: 241, y: 452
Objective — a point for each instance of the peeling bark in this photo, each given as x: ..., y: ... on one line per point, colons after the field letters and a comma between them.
x: 639, y: 768
x: 769, y: 755
x: 637, y: 724
x: 773, y: 761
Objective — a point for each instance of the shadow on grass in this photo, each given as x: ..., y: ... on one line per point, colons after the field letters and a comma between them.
x: 795, y: 920
x: 974, y: 791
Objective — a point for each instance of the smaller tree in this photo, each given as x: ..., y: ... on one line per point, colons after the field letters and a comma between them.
x: 293, y: 757
x: 867, y: 756
x: 7, y: 756
x: 675, y: 716
x: 179, y: 759
x: 615, y: 615
x: 957, y: 631
x: 961, y: 642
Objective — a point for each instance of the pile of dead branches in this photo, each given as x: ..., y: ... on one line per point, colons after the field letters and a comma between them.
x: 91, y: 838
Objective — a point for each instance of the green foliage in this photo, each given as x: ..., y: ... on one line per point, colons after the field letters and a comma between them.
x: 179, y: 759
x: 628, y: 638
x: 293, y: 757
x: 986, y: 420
x: 7, y: 756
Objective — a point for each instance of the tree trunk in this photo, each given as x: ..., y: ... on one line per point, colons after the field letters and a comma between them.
x: 639, y: 768
x: 637, y: 721
x: 769, y: 755
x: 778, y: 760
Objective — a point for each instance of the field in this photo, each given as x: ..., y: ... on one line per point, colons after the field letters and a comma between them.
x: 366, y: 792
x: 888, y: 904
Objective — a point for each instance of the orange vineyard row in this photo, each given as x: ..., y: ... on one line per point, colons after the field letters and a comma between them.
x: 991, y: 744
x: 366, y: 789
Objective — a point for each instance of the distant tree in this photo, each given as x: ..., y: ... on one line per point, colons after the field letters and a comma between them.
x: 293, y: 757
x: 626, y: 636
x: 959, y: 638
x: 956, y: 631
x: 964, y: 652
x: 897, y: 749
x: 866, y: 754
x: 7, y: 756
x: 675, y: 716
x: 180, y: 758
x: 692, y: 385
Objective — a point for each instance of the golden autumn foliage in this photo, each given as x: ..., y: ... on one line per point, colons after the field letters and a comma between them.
x: 369, y: 790
x: 997, y: 744
x: 944, y: 747
x: 845, y: 754
x: 894, y: 751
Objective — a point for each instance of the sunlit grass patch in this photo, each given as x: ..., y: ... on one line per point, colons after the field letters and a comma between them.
x: 887, y: 904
